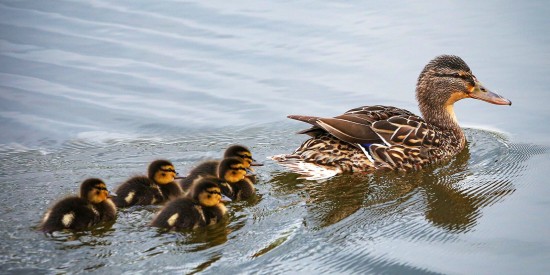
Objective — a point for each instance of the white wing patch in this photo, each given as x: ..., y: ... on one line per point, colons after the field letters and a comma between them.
x: 46, y: 216
x: 309, y: 171
x: 68, y: 219
x: 130, y: 197
x: 173, y: 219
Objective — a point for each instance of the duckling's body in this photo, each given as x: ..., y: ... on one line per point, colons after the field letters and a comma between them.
x: 371, y: 138
x: 157, y: 188
x: 210, y: 167
x: 206, y: 168
x: 201, y: 207
x: 78, y: 213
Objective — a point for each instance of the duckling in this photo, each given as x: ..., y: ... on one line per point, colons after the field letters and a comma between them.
x: 233, y: 171
x: 80, y: 212
x: 201, y: 207
x: 157, y: 187
x: 210, y: 167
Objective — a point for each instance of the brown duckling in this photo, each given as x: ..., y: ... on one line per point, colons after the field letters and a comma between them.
x: 233, y: 172
x: 210, y: 168
x: 157, y: 187
x: 201, y: 207
x: 80, y: 212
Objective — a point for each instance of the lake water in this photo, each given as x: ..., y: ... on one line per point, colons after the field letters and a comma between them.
x: 101, y: 88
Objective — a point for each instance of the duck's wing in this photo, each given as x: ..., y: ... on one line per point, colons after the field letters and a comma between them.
x: 356, y: 125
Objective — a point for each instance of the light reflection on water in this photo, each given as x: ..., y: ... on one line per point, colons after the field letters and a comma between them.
x: 102, y: 88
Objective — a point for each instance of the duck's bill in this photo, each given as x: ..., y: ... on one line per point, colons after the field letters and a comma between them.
x: 179, y: 178
x: 111, y: 195
x: 481, y: 93
x: 225, y: 198
x: 254, y: 163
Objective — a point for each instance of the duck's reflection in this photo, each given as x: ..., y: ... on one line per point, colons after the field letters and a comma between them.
x: 450, y: 194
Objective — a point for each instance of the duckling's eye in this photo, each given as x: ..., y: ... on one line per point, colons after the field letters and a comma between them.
x: 100, y: 188
x: 168, y: 170
x: 244, y: 156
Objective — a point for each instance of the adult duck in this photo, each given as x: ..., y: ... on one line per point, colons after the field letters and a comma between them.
x: 371, y: 138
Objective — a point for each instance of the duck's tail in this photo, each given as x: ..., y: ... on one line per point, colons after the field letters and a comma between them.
x: 307, y: 170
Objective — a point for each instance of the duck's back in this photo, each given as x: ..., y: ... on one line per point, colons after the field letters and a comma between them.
x: 206, y: 168
x: 70, y: 213
x: 366, y: 139
x: 139, y: 190
x: 181, y: 213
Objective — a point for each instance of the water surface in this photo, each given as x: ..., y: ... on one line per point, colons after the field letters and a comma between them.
x: 102, y: 88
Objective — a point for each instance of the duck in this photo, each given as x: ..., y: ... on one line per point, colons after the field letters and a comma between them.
x: 201, y: 207
x: 155, y: 188
x: 92, y: 206
x: 210, y: 167
x: 232, y: 173
x: 386, y: 138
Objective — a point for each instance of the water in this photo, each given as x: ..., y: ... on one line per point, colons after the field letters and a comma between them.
x: 101, y: 88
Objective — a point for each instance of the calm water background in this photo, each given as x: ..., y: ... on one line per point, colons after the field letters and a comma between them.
x: 100, y: 88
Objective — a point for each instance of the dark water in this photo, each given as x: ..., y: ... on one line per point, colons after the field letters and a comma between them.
x: 102, y: 88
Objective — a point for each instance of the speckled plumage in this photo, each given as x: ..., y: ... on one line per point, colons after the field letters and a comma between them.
x: 370, y: 138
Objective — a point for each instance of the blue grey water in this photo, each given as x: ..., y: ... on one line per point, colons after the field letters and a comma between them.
x: 101, y: 88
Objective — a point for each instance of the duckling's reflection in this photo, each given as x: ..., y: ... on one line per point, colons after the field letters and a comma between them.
x: 448, y: 205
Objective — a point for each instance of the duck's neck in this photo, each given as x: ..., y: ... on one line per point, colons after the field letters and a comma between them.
x: 443, y: 116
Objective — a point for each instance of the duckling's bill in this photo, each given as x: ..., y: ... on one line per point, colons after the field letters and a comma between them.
x: 225, y: 198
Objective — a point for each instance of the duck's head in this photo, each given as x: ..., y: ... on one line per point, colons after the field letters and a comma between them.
x: 162, y: 171
x: 445, y: 80
x: 242, y: 152
x: 232, y: 169
x: 94, y: 190
x: 207, y: 192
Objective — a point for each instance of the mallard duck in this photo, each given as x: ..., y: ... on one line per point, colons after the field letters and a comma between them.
x: 370, y: 138
x: 80, y: 212
x: 233, y: 172
x: 210, y: 167
x: 157, y: 187
x: 201, y: 207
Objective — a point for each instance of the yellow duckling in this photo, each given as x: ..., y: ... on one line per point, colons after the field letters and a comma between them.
x: 80, y: 212
x: 157, y: 188
x: 233, y: 172
x: 210, y: 168
x: 201, y: 207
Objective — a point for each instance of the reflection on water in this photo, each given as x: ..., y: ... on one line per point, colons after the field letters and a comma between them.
x: 292, y: 224
x: 452, y: 193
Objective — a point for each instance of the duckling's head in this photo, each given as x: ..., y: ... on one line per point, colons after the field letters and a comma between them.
x: 445, y: 80
x: 241, y: 152
x: 162, y: 171
x: 232, y: 169
x: 94, y: 190
x: 207, y: 192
